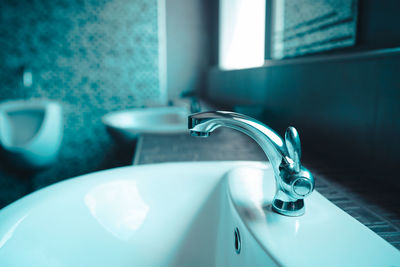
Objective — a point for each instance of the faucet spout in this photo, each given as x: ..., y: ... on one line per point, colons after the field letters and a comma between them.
x: 293, y: 181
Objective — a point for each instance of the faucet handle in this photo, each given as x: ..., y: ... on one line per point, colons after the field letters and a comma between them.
x: 293, y: 146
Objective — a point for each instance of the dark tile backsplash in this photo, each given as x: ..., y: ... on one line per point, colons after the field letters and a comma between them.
x: 91, y: 56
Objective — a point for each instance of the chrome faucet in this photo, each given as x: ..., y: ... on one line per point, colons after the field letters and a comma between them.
x: 293, y: 181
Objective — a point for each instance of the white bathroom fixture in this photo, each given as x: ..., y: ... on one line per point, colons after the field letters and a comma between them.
x: 182, y: 214
x: 30, y: 132
x: 129, y: 124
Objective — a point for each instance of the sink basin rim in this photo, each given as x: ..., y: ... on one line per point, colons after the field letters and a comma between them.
x: 154, y: 120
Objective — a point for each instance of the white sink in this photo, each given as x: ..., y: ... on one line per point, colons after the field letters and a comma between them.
x: 130, y: 123
x: 181, y: 214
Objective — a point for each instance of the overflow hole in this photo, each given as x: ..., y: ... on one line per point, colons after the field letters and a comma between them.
x: 238, y: 242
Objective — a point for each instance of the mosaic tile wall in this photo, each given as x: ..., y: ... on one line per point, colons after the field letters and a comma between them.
x: 93, y: 56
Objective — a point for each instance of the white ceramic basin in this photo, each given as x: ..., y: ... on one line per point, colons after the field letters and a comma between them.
x: 159, y: 120
x: 181, y: 214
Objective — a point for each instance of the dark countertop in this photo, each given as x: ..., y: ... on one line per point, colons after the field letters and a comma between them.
x: 374, y: 204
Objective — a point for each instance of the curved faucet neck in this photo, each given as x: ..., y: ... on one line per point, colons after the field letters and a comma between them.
x: 201, y: 124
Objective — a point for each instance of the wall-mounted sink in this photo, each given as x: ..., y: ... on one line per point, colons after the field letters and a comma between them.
x: 129, y: 124
x: 181, y: 214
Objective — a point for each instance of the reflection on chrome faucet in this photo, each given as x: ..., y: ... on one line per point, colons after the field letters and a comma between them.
x: 293, y: 181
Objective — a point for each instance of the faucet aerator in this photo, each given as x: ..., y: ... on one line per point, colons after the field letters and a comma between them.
x: 199, y: 134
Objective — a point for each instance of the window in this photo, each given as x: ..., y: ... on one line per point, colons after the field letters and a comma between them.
x: 242, y: 33
x: 294, y: 28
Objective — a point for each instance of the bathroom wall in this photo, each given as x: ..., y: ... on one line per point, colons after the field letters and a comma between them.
x: 91, y: 56
x: 345, y: 108
x: 344, y: 102
x: 189, y: 27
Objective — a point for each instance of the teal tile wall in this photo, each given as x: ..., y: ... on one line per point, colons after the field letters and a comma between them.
x: 91, y: 56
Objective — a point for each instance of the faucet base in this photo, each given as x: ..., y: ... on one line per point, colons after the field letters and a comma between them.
x: 288, y: 208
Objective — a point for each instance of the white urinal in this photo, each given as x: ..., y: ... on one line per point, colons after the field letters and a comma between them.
x: 30, y: 132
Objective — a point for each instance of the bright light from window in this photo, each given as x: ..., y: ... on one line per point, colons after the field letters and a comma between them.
x: 242, y: 33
